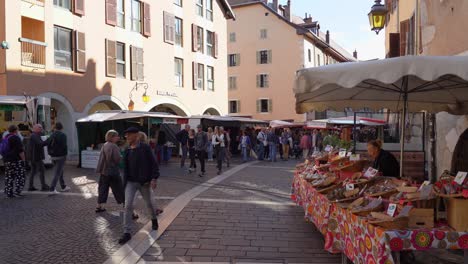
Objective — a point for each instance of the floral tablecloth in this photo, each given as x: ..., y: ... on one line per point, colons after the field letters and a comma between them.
x: 361, y: 241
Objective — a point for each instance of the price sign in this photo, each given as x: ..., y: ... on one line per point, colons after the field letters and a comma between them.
x: 370, y: 173
x: 349, y: 186
x: 391, y: 209
x: 328, y: 148
x: 425, y: 183
x: 342, y: 154
x: 405, y: 211
x: 460, y: 178
x: 355, y: 157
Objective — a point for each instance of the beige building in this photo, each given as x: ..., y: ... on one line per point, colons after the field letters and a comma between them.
x: 107, y: 54
x: 267, y: 44
x: 434, y: 27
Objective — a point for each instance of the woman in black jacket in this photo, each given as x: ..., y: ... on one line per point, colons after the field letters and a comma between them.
x: 384, y: 161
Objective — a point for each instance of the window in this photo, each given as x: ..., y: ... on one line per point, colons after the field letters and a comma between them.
x: 200, y: 7
x: 232, y: 37
x: 136, y: 16
x: 179, y: 72
x: 232, y: 82
x: 210, y: 77
x: 210, y: 43
x: 178, y: 2
x: 137, y: 66
x: 264, y: 57
x: 234, y: 106
x: 63, y: 4
x: 234, y: 60
x: 209, y: 10
x: 199, y: 76
x: 120, y: 60
x: 264, y: 106
x: 310, y: 55
x: 318, y: 59
x: 263, y: 34
x: 263, y: 81
x: 121, y: 13
x: 179, y: 32
x: 200, y: 39
x: 62, y: 48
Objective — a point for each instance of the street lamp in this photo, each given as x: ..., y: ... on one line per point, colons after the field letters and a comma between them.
x: 377, y: 16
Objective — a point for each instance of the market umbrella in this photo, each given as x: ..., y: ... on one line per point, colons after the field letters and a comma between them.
x: 280, y: 123
x: 410, y: 83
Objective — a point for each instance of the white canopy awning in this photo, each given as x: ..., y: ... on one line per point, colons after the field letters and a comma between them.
x: 102, y: 116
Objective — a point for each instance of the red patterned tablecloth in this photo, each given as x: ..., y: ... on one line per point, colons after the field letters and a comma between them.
x: 361, y: 241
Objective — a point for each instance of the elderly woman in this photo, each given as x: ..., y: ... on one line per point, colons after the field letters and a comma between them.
x: 108, y: 168
x: 384, y: 161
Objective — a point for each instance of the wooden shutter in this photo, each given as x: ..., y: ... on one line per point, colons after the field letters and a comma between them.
x: 404, y: 30
x: 111, y: 12
x: 258, y: 57
x: 270, y: 56
x: 266, y: 80
x: 133, y: 64
x: 140, y: 64
x: 238, y: 106
x: 79, y: 7
x: 237, y: 56
x: 270, y: 106
x: 169, y: 28
x: 394, y: 45
x: 259, y: 106
x: 194, y: 38
x: 195, y: 75
x: 421, y: 49
x: 80, y: 51
x: 215, y: 45
x: 259, y: 82
x: 111, y: 54
x: 146, y: 8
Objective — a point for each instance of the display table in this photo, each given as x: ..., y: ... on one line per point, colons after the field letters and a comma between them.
x: 90, y: 158
x: 362, y: 242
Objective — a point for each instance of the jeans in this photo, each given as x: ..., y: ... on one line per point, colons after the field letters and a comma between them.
x: 130, y: 190
x: 58, y: 173
x: 37, y: 166
x: 210, y: 151
x: 115, y: 183
x: 272, y: 147
x: 220, y: 153
x: 244, y: 154
x: 193, y: 164
x: 201, y: 157
x: 261, y: 151
x: 159, y: 151
x: 184, y: 156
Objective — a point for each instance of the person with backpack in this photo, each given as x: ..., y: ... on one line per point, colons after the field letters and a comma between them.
x: 36, y: 156
x: 58, y: 150
x: 182, y: 136
x: 12, y: 151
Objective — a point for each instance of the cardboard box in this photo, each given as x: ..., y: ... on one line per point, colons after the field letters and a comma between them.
x: 457, y: 214
x: 421, y: 218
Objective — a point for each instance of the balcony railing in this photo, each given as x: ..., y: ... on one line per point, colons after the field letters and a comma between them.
x: 35, y: 2
x: 33, y: 53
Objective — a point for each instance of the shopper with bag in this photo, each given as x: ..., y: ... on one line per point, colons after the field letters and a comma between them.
x: 108, y: 168
x: 245, y: 146
x: 262, y: 143
x: 58, y: 150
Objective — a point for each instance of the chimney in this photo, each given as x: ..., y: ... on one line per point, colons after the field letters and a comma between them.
x: 355, y: 54
x: 275, y: 5
x: 308, y: 19
x: 287, y: 11
x: 327, y: 37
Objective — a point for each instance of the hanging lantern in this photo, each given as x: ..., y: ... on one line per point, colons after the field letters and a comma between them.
x: 377, y: 16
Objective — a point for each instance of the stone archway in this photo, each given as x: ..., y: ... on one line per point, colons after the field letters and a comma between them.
x: 460, y: 154
x: 103, y: 106
x: 211, y: 111
x: 103, y: 102
x: 168, y: 108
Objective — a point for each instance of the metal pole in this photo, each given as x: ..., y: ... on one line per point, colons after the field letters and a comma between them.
x: 403, y: 124
x: 354, y: 133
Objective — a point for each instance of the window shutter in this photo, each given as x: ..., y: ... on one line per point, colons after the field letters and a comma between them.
x: 237, y: 59
x: 270, y: 106
x: 258, y: 57
x: 169, y: 28
x: 78, y: 7
x: 234, y: 83
x: 404, y: 30
x: 215, y: 46
x: 259, y: 106
x: 267, y: 81
x: 270, y: 58
x: 146, y: 19
x: 111, y: 52
x: 394, y: 45
x: 195, y: 75
x: 134, y: 64
x: 238, y: 106
x: 80, y: 51
x: 259, y: 81
x: 140, y: 64
x: 111, y: 12
x: 194, y: 38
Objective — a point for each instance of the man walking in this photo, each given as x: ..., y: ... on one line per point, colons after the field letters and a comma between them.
x: 13, y: 156
x: 140, y: 174
x: 272, y: 139
x: 58, y: 150
x: 201, y: 145
x: 182, y: 137
x: 36, y: 154
x: 262, y: 143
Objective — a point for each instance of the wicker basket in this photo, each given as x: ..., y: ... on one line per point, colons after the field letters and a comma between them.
x: 386, y: 194
x: 351, y: 193
x: 328, y: 189
x: 397, y: 223
x: 365, y: 212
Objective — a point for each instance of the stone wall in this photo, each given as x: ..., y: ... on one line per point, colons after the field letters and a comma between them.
x: 449, y: 129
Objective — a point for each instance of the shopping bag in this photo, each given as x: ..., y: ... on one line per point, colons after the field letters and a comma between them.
x: 253, y: 154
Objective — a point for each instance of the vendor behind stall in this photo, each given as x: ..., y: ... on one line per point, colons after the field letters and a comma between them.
x: 384, y: 161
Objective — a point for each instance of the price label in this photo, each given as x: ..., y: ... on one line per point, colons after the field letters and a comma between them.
x: 350, y: 186
x: 328, y: 148
x: 355, y: 157
x: 425, y: 183
x: 370, y: 173
x: 391, y: 209
x: 349, y: 154
x: 342, y: 154
x: 460, y: 178
x: 405, y: 211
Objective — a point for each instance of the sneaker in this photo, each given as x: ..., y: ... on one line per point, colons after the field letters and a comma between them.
x: 125, y: 238
x: 201, y: 174
x: 45, y: 188
x: 54, y: 192
x: 32, y: 189
x: 154, y: 224
x: 19, y: 195
x: 66, y: 189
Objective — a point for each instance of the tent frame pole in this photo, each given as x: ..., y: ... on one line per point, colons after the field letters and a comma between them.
x: 403, y: 124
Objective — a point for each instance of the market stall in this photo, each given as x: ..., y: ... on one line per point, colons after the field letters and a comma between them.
x: 92, y: 130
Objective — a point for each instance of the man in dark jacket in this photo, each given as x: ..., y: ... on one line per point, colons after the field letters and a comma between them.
x: 201, y: 145
x: 182, y: 137
x: 58, y: 150
x: 14, y: 164
x: 36, y: 154
x: 140, y: 174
